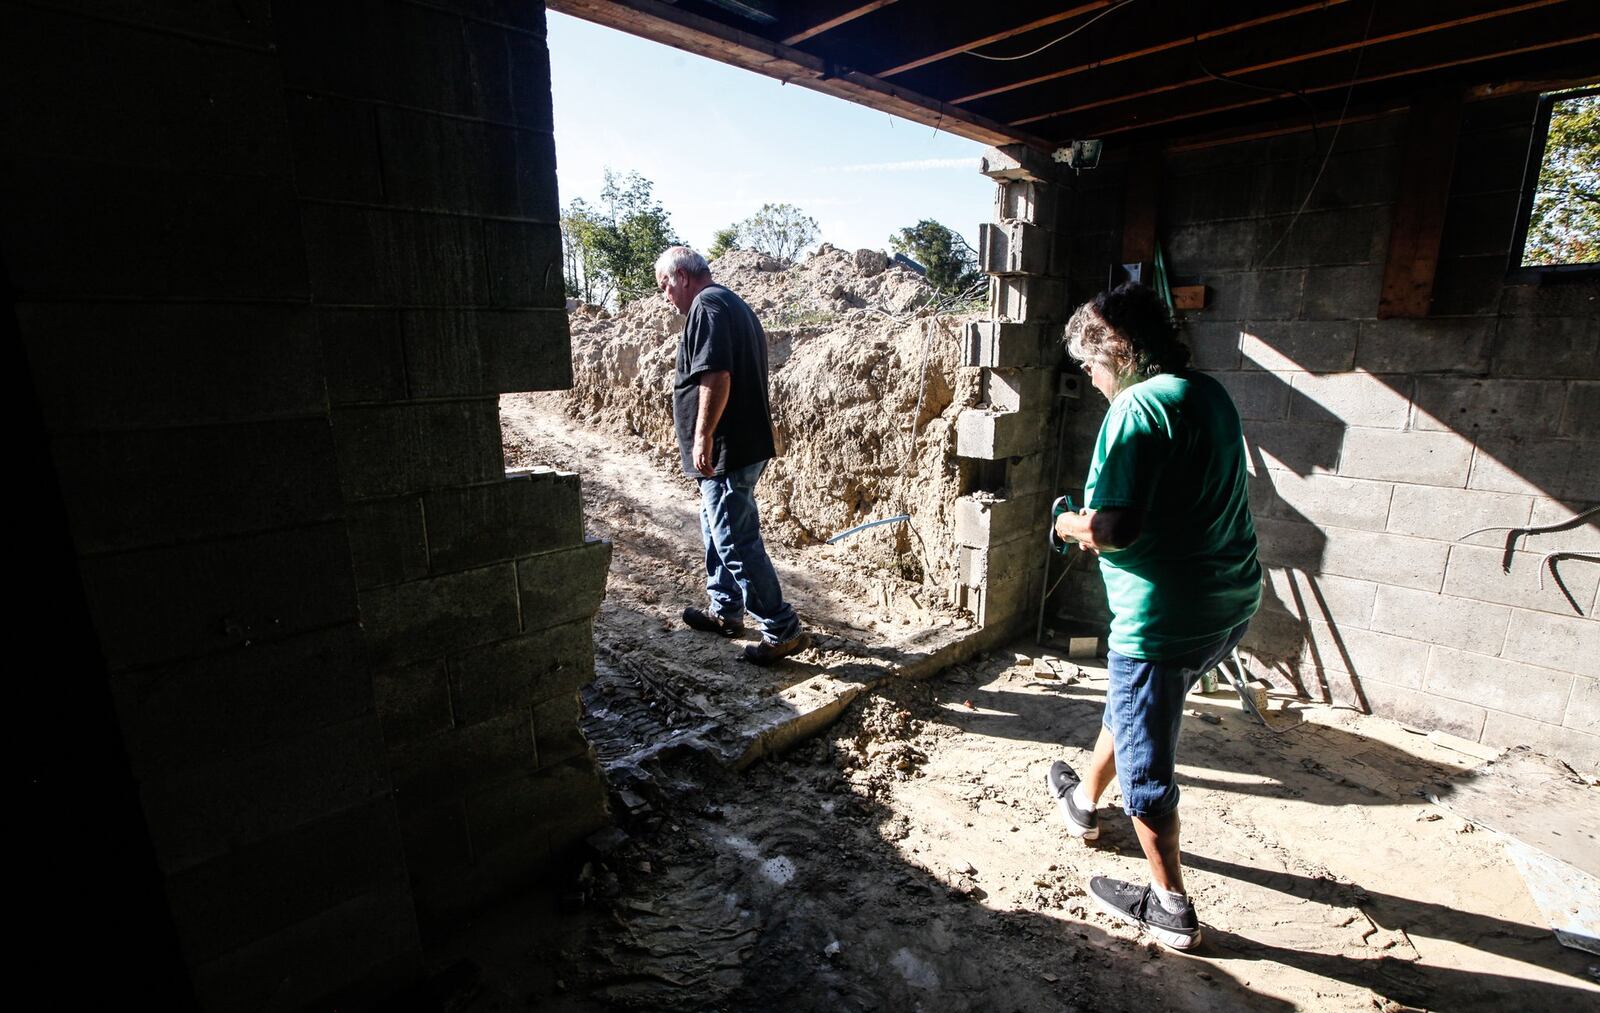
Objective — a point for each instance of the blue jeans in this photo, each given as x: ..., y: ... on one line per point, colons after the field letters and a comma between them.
x: 739, y: 576
x: 1144, y: 711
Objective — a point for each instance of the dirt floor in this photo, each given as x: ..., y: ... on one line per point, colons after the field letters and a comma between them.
x: 908, y: 856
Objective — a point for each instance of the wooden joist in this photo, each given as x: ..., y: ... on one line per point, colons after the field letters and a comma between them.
x: 1433, y: 128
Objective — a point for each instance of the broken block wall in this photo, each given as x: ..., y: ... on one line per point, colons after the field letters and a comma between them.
x: 1378, y: 444
x: 271, y: 266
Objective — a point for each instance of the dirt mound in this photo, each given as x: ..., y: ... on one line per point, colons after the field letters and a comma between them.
x: 865, y: 389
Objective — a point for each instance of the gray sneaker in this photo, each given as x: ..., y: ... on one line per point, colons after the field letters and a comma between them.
x: 1137, y: 905
x: 1084, y: 823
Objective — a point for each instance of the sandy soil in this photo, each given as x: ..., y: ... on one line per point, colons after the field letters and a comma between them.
x: 909, y: 858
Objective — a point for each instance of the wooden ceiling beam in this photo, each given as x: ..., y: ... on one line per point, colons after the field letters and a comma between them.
x: 1287, y: 61
x: 1354, y: 82
x: 1051, y: 19
x: 843, y: 17
x: 1162, y: 47
x: 691, y: 33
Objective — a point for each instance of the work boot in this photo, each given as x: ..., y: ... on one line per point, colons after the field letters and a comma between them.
x: 1138, y: 905
x: 1084, y: 823
x: 767, y: 652
x: 705, y: 622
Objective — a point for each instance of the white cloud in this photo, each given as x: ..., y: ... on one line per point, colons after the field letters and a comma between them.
x: 920, y: 165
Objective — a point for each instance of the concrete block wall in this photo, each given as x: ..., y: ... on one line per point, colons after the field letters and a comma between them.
x: 998, y: 519
x: 271, y: 268
x: 1378, y: 446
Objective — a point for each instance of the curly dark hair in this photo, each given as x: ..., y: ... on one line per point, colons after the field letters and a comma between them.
x: 1129, y: 324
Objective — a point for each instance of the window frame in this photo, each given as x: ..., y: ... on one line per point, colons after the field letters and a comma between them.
x: 1517, y: 271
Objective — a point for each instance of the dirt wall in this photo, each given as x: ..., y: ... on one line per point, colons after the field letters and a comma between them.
x: 865, y: 391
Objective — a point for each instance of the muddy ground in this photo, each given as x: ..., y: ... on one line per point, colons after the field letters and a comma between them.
x: 909, y: 858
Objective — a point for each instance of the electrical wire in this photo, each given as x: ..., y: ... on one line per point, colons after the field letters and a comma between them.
x: 1047, y: 45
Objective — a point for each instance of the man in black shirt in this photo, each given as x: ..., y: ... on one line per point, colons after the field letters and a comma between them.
x: 724, y: 426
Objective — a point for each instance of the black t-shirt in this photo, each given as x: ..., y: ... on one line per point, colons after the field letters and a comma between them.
x: 722, y: 333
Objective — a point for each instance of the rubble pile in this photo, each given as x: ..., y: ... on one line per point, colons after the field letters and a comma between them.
x: 865, y: 387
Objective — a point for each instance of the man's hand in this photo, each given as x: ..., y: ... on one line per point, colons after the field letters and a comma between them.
x: 1102, y: 530
x: 1077, y: 528
x: 702, y: 453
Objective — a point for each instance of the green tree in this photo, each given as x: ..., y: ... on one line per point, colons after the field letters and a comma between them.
x: 781, y: 231
x: 952, y: 264
x: 723, y: 241
x: 635, y: 229
x: 1564, y: 226
x: 580, y: 253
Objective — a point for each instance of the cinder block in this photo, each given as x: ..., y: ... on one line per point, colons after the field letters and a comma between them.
x: 1258, y: 395
x: 1362, y: 653
x: 1356, y: 399
x: 1423, y: 710
x: 1507, y: 731
x: 236, y: 702
x: 435, y: 837
x: 1276, y: 636
x: 1342, y: 293
x: 1011, y: 390
x: 1535, y: 466
x: 439, y: 615
x: 198, y: 107
x: 1025, y: 201
x: 1252, y: 297
x: 445, y: 163
x: 990, y: 435
x: 73, y: 229
x: 1468, y: 286
x: 1216, y: 246
x: 1549, y: 511
x: 1582, y: 417
x: 489, y: 64
x: 164, y: 604
x: 1320, y: 346
x: 335, y: 148
x: 518, y: 673
x: 376, y: 257
x: 1583, y: 710
x: 1425, y: 346
x: 1304, y: 595
x: 365, y: 359
x: 467, y: 353
x: 1016, y: 248
x: 1292, y: 544
x: 386, y: 451
x: 1441, y: 619
x: 234, y: 23
x: 371, y: 939
x: 388, y: 543
x: 1300, y: 447
x: 1001, y: 344
x: 1007, y: 598
x: 430, y: 771
x: 1326, y: 500
x: 256, y: 891
x: 479, y: 524
x: 510, y: 813
x: 1327, y: 238
x: 1385, y: 559
x: 530, y: 79
x: 1027, y: 298
x: 1442, y: 459
x: 564, y: 585
x: 1537, y: 693
x: 1480, y: 224
x: 1213, y: 346
x: 134, y: 489
x: 202, y: 812
x: 132, y: 365
x: 977, y: 566
x: 1448, y: 514
x: 1475, y: 572
x: 982, y: 522
x: 1544, y: 346
x: 1525, y: 407
x: 1569, y: 643
x: 412, y: 701
x: 557, y: 731
x: 525, y: 265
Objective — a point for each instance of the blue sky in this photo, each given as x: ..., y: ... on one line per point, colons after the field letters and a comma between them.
x: 718, y: 142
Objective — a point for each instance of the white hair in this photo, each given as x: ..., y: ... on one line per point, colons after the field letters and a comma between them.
x: 681, y: 258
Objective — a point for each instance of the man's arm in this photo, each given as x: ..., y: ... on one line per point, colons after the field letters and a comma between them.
x: 1105, y: 530
x: 714, y: 389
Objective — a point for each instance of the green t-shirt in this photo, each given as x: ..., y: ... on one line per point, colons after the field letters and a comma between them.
x: 1172, y: 446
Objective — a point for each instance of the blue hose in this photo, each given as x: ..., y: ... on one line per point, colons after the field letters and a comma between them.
x: 870, y: 524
